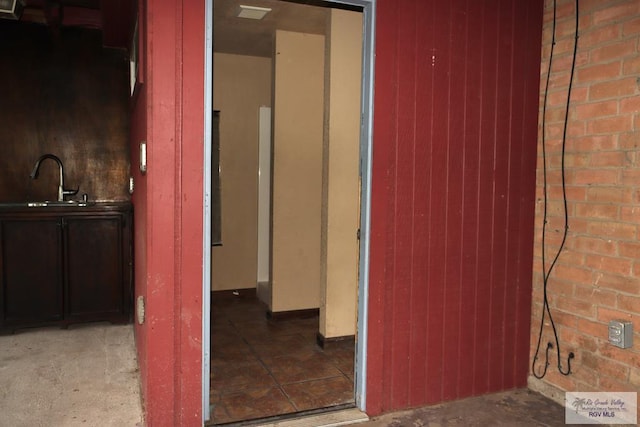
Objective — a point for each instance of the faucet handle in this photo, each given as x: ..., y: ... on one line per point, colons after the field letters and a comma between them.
x: 67, y: 192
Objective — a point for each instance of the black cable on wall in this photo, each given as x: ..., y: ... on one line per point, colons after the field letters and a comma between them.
x: 546, y: 273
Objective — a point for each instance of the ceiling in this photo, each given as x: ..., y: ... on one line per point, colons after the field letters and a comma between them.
x: 243, y: 36
x: 231, y: 34
x: 115, y: 18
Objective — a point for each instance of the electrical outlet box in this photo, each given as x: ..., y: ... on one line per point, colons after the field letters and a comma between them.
x: 621, y: 333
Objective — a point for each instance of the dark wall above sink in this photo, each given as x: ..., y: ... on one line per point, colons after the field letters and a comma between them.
x: 65, y: 95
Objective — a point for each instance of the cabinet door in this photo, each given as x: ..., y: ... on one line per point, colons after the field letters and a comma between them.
x: 94, y: 268
x: 31, y: 271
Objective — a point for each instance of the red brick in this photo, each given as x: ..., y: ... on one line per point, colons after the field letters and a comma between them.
x: 630, y: 214
x: 590, y: 244
x: 591, y: 328
x: 562, y: 10
x: 605, y: 367
x: 608, y: 158
x: 579, y: 94
x: 609, y: 384
x: 601, y: 297
x: 578, y: 226
x: 555, y: 115
x: 558, y: 80
x: 581, y: 308
x: 573, y: 193
x: 630, y: 105
x: 570, y: 160
x: 562, y: 318
x: 631, y: 66
x: 557, y: 286
x: 595, y: 176
x: 613, y: 89
x: 607, y: 314
x: 563, y: 382
x: 592, y: 210
x: 628, y: 141
x: 620, y: 123
x: 612, y: 230
x: 564, y: 46
x: 630, y: 249
x: 609, y: 194
x: 631, y: 27
x: 634, y: 378
x: 599, y: 72
x: 625, y: 284
x: 566, y: 28
x: 555, y: 209
x: 595, y: 35
x: 629, y: 358
x: 554, y: 131
x: 596, y: 109
x: 588, y: 5
x: 571, y: 274
x: 609, y: 264
x: 578, y: 342
x: 593, y: 142
x: 630, y: 177
x: 612, y: 13
x: 572, y: 257
x: 613, y: 52
x: 629, y: 303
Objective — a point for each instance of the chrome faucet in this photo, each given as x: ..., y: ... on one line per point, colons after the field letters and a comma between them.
x: 61, y: 190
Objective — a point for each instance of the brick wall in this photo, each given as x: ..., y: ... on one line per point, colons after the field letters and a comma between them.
x: 597, y: 277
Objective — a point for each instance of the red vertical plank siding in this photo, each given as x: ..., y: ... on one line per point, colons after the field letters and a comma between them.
x: 381, y: 227
x: 403, y: 206
x: 470, y: 176
x: 488, y: 69
x: 452, y: 199
x: 501, y: 156
x: 422, y: 170
x: 455, y: 56
x: 531, y: 16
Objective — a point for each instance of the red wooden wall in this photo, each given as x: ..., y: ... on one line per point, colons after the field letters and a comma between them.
x: 167, y: 113
x: 455, y: 128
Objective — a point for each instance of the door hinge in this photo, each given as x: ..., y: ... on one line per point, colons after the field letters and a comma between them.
x: 358, y: 234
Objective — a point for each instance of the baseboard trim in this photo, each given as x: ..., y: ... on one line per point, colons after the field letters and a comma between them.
x: 324, y: 342
x: 293, y: 314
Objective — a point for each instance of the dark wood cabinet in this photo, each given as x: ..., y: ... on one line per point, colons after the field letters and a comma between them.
x: 31, y: 264
x: 62, y: 266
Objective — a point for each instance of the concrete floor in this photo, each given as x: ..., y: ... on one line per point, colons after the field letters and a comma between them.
x: 86, y: 375
x: 517, y: 408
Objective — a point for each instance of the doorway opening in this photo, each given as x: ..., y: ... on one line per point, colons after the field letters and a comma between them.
x: 294, y: 148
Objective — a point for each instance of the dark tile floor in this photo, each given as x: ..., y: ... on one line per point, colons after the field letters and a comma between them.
x: 262, y: 368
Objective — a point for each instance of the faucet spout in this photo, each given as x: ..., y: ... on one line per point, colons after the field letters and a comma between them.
x: 61, y: 190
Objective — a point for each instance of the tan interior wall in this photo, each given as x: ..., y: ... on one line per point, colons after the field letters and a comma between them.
x: 297, y: 170
x: 341, y: 194
x: 241, y: 85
